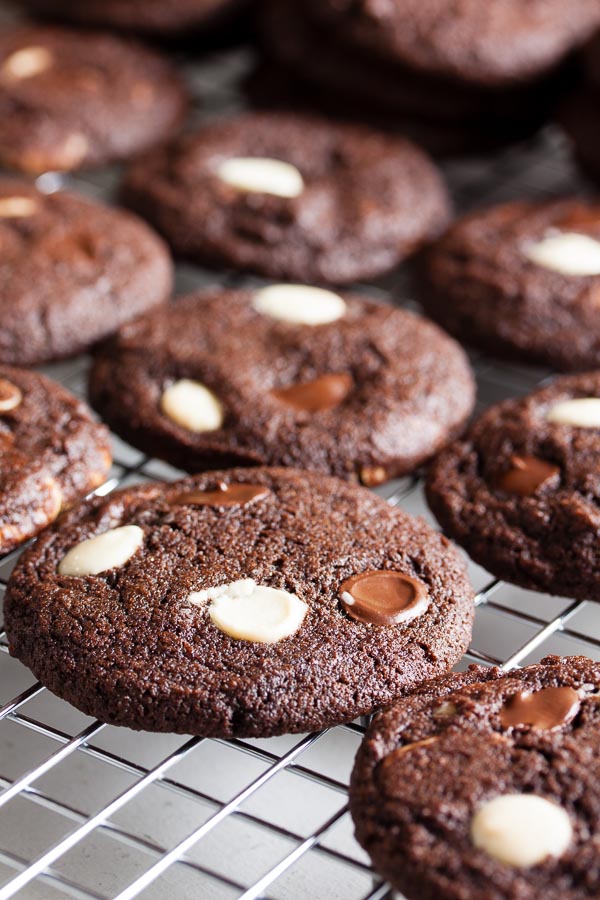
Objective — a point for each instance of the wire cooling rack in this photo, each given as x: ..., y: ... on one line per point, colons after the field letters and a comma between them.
x: 93, y: 812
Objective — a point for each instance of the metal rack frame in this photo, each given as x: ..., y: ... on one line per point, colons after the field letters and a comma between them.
x: 512, y: 627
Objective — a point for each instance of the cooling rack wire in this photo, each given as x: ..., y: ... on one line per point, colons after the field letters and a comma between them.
x: 94, y: 812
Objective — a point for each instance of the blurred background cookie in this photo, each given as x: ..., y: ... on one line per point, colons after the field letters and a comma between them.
x: 74, y: 99
x: 71, y: 272
x: 289, y: 196
x: 521, y: 280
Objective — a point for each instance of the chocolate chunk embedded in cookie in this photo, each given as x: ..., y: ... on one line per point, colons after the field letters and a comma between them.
x: 52, y: 453
x: 162, y: 607
x: 485, y: 785
x: 291, y: 197
x: 285, y: 375
x: 521, y: 491
x: 72, y: 272
x: 521, y: 280
x: 72, y: 99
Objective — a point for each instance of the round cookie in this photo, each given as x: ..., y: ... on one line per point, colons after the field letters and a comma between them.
x: 291, y: 196
x: 521, y: 492
x: 521, y: 280
x: 491, y: 44
x: 152, y: 17
x: 72, y: 272
x: 485, y: 785
x: 73, y: 99
x: 225, y: 605
x: 285, y: 375
x: 293, y: 38
x: 51, y: 453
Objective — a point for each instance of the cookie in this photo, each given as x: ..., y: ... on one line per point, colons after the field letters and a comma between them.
x: 290, y: 196
x: 73, y: 99
x: 273, y: 86
x: 51, y: 453
x: 155, y: 18
x: 484, y: 785
x: 373, y: 85
x: 284, y: 375
x: 72, y: 272
x: 249, y: 602
x: 490, y: 44
x: 521, y: 280
x: 520, y: 491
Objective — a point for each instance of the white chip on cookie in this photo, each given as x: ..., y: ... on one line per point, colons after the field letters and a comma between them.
x: 190, y: 404
x: 261, y: 175
x: 17, y: 207
x: 27, y: 62
x: 108, y: 550
x: 582, y: 412
x: 521, y: 830
x: 249, y: 611
x: 299, y: 304
x: 568, y: 253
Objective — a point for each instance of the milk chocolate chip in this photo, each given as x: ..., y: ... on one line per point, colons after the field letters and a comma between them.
x: 325, y: 392
x: 383, y: 598
x: 546, y: 709
x: 527, y: 475
x: 226, y: 495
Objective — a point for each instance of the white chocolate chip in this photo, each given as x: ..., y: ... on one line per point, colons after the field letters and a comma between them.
x: 191, y: 405
x: 299, y: 304
x: 521, y: 829
x: 445, y: 710
x: 567, y: 253
x: 249, y: 611
x: 259, y: 175
x: 582, y: 413
x: 27, y: 62
x: 105, y: 551
x: 17, y: 207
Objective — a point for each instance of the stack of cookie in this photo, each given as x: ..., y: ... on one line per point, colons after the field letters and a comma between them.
x: 463, y: 76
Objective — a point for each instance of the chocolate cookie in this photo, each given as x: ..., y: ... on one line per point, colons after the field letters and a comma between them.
x: 285, y: 375
x: 290, y: 196
x: 155, y: 18
x: 492, y: 44
x: 71, y: 99
x: 353, y: 77
x: 486, y: 785
x: 51, y: 453
x: 521, y: 491
x: 521, y: 280
x: 72, y: 271
x: 250, y: 602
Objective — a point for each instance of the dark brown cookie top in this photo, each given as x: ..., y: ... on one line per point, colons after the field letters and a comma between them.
x: 521, y: 491
x: 367, y: 391
x: 291, y: 196
x: 493, y: 44
x: 154, y: 17
x: 70, y: 99
x: 72, y: 271
x: 52, y: 453
x: 226, y: 618
x: 521, y: 279
x: 485, y: 785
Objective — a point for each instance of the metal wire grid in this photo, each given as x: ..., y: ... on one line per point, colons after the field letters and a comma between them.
x: 94, y: 812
